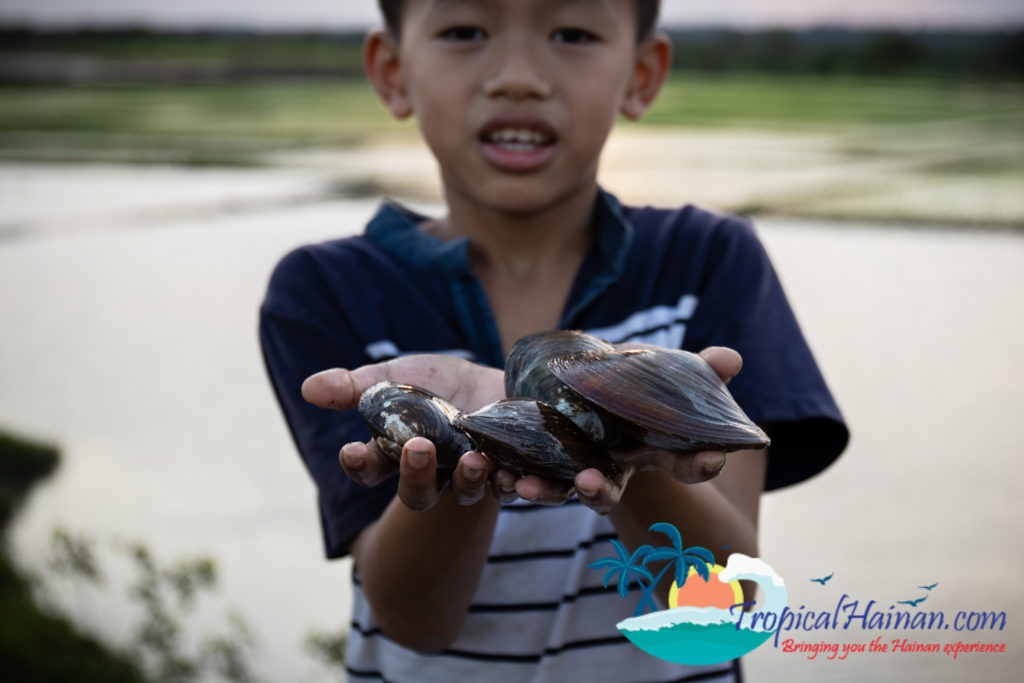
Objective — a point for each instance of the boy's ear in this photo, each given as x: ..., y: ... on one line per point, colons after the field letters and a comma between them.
x: 650, y: 69
x: 383, y: 66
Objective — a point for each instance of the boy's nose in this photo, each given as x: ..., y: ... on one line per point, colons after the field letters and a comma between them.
x: 517, y: 76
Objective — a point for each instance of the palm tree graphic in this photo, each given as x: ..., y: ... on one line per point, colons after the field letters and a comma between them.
x: 627, y: 567
x: 679, y: 560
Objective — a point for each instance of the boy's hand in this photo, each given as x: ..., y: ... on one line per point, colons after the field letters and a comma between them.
x: 600, y: 493
x: 470, y: 387
x: 466, y: 385
x: 417, y: 482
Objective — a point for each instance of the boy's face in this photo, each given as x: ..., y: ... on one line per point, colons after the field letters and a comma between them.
x: 516, y: 98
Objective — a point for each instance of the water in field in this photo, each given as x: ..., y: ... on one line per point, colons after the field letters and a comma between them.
x: 128, y: 317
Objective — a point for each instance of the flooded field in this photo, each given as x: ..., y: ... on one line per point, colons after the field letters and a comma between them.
x: 129, y: 339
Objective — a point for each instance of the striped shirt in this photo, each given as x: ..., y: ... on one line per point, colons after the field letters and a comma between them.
x: 683, y: 278
x: 540, y: 614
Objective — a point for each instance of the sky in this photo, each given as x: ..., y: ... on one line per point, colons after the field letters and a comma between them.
x: 331, y: 14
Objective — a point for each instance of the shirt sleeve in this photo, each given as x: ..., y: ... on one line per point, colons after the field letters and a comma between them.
x: 780, y: 387
x: 303, y: 330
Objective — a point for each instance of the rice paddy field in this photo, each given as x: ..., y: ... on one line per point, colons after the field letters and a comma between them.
x: 947, y: 151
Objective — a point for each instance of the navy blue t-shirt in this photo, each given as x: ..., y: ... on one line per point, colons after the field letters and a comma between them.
x: 683, y: 278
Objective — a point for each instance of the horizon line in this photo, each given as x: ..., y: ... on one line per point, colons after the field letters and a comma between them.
x: 14, y: 23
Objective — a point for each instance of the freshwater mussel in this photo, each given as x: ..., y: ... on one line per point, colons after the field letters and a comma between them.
x: 396, y: 413
x: 571, y: 397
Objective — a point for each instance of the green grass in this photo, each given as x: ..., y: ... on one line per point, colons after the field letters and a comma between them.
x: 343, y: 110
x: 235, y: 123
x: 773, y: 101
x: 305, y: 112
x: 228, y: 124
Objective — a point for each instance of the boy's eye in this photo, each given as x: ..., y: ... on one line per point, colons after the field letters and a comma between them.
x: 574, y: 36
x: 462, y: 33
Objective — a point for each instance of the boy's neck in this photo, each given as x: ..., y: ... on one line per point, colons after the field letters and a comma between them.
x: 522, y: 246
x: 526, y: 263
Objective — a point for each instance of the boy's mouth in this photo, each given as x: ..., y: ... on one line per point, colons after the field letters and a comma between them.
x: 518, y: 139
x: 518, y: 144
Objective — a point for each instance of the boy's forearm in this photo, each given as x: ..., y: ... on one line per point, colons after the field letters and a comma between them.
x: 718, y: 513
x: 420, y: 570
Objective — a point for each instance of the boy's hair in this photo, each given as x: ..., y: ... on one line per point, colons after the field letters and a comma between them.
x: 646, y: 16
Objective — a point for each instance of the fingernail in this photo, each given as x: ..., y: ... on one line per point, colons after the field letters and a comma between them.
x: 714, y: 464
x: 418, y: 459
x: 586, y: 491
x: 472, y: 474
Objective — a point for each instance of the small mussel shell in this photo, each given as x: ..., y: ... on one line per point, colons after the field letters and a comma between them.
x: 527, y: 375
x: 664, y: 397
x: 396, y: 413
x: 530, y: 437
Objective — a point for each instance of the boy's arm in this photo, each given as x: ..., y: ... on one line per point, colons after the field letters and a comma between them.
x: 419, y: 564
x: 420, y: 569
x: 720, y: 515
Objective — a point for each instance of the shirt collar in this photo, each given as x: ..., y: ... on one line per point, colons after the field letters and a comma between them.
x: 394, y: 229
x: 614, y: 236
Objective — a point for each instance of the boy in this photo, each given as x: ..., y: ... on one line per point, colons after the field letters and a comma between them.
x: 515, y: 99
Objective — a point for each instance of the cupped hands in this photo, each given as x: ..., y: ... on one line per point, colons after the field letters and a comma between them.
x: 469, y: 387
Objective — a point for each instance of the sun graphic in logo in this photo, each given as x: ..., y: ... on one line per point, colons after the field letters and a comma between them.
x: 720, y: 594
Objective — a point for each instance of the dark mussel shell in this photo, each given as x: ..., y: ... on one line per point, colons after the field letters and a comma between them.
x: 664, y: 397
x: 527, y: 375
x: 530, y: 437
x: 397, y: 412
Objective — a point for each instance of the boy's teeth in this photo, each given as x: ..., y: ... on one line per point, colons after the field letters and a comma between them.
x: 518, y: 136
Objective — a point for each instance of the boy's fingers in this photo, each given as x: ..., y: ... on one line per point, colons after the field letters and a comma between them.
x: 723, y: 360
x: 336, y: 389
x: 543, y: 491
x: 592, y: 488
x: 503, y: 483
x: 365, y: 465
x: 417, y: 483
x: 469, y: 481
x: 597, y: 491
x: 692, y: 468
x: 340, y: 389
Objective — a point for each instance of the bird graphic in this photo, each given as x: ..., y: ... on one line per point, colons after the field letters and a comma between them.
x: 928, y: 588
x: 912, y: 603
x: 824, y: 579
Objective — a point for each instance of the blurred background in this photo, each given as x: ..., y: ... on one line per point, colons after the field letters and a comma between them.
x: 157, y: 159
